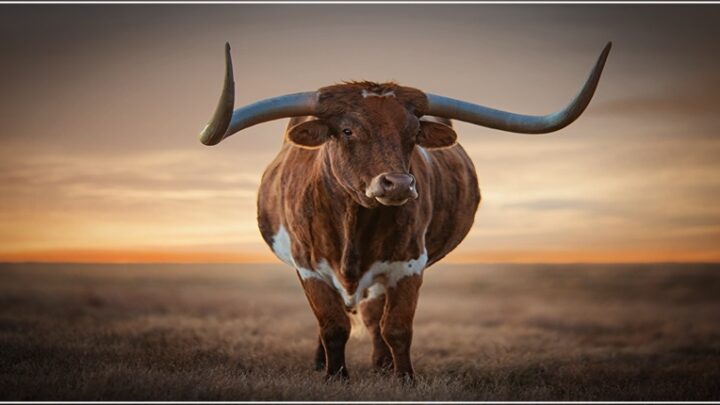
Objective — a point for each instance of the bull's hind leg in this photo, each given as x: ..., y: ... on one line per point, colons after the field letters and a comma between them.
x: 334, y: 324
x: 371, y: 310
x: 320, y: 355
x: 397, y: 322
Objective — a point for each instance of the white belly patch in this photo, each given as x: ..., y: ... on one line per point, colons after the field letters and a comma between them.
x: 375, y: 281
x: 282, y: 247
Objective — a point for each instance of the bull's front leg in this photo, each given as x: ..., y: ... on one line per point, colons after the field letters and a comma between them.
x: 397, y: 322
x: 334, y: 324
x: 372, y: 309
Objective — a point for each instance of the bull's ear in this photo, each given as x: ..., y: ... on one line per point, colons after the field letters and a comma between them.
x: 435, y: 135
x: 309, y: 134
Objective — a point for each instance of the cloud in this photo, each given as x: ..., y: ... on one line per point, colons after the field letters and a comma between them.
x: 557, y: 204
x: 684, y: 99
x: 142, y: 199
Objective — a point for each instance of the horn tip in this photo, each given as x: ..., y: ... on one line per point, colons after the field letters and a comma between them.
x: 603, y: 56
x: 608, y: 46
x: 207, y: 139
x: 228, y: 60
x: 228, y: 55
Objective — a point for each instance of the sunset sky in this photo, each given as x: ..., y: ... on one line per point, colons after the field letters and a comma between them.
x: 100, y: 107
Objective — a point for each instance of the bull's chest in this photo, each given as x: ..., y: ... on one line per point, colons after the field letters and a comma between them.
x: 373, y: 280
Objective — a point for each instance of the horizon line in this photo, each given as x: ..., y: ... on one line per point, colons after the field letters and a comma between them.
x: 174, y: 256
x: 364, y: 2
x: 454, y: 263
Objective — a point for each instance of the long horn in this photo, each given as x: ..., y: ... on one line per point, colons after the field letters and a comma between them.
x: 226, y: 122
x: 528, y: 124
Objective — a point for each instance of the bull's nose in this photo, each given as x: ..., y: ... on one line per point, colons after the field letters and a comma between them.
x: 394, y: 182
x: 392, y: 188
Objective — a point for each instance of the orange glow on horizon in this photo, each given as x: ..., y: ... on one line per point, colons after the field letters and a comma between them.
x: 133, y: 256
x: 588, y: 256
x: 515, y: 257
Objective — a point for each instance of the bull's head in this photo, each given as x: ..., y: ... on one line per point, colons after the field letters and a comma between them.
x: 369, y: 130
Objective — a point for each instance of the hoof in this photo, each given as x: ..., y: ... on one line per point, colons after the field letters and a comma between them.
x: 406, y: 379
x: 383, y: 365
x: 340, y: 376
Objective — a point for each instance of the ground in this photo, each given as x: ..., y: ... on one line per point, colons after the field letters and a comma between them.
x: 245, y: 332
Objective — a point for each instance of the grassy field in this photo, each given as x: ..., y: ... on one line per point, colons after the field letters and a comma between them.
x: 239, y: 332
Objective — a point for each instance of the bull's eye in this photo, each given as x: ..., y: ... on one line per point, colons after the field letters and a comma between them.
x: 347, y: 131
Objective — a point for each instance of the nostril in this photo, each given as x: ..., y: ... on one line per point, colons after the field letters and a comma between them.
x: 386, y: 183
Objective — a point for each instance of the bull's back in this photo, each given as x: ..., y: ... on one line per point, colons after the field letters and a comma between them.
x: 455, y: 198
x: 283, y: 198
x: 275, y: 179
x: 269, y: 202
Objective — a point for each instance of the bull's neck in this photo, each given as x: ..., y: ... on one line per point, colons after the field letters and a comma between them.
x: 351, y: 237
x: 343, y: 213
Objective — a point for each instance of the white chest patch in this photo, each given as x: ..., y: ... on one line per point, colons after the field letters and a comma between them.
x: 375, y: 281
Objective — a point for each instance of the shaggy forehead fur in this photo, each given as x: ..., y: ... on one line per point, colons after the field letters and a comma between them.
x: 340, y: 98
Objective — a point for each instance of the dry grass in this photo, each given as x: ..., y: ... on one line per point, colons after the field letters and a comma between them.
x: 232, y: 332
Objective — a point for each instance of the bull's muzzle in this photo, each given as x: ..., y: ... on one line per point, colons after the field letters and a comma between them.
x: 392, y: 188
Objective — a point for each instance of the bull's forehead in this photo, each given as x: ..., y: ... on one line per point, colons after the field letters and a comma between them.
x: 382, y: 93
x: 383, y: 112
x: 349, y: 97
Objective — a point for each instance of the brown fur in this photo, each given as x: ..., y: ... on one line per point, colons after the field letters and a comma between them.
x: 334, y: 324
x: 397, y: 321
x: 372, y: 311
x: 316, y: 191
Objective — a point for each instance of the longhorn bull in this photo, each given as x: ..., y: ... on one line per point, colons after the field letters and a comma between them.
x: 369, y: 189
